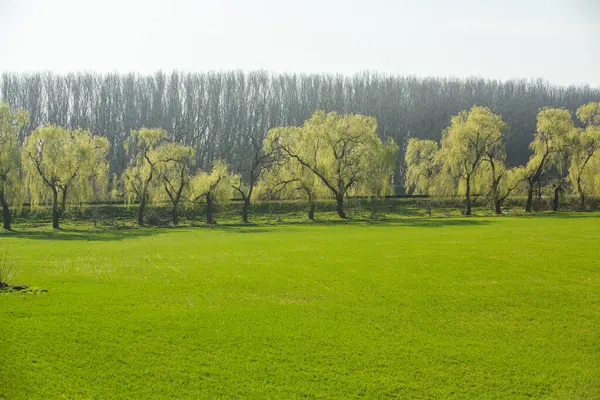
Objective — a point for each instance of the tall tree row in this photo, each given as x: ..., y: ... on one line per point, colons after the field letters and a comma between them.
x: 471, y: 157
x: 224, y: 115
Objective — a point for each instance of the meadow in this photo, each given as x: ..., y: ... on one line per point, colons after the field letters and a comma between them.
x: 443, y: 307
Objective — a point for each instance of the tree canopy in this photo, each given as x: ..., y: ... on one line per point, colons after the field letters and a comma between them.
x: 584, y: 166
x: 58, y: 162
x: 212, y: 188
x: 469, y: 138
x: 11, y: 123
x: 342, y: 151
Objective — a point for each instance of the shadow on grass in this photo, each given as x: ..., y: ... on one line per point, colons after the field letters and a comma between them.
x: 592, y: 214
x: 250, y: 228
x: 82, y: 235
x: 414, y: 222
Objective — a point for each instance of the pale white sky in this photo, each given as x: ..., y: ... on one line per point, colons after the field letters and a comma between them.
x: 558, y: 40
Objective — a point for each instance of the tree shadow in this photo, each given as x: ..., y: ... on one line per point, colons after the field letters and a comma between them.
x: 237, y: 227
x: 589, y: 214
x: 435, y: 222
x: 105, y: 235
x: 431, y: 222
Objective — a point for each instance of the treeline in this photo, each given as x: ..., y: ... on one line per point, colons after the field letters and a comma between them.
x: 221, y: 114
x: 471, y: 158
x: 331, y: 156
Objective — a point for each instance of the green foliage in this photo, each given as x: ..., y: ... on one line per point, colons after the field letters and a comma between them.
x: 216, y: 184
x: 138, y: 177
x: 550, y: 142
x: 470, y: 136
x: 286, y: 178
x: 422, y: 166
x: 174, y: 162
x: 341, y: 151
x: 11, y: 123
x: 72, y: 163
x: 584, y: 167
x: 589, y: 113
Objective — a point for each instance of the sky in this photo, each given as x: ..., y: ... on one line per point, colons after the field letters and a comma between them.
x: 557, y: 40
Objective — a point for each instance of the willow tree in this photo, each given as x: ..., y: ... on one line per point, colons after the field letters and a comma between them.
x: 287, y: 179
x: 340, y: 149
x: 11, y: 122
x: 422, y: 165
x: 584, y: 146
x: 247, y: 174
x: 211, y: 188
x: 470, y: 136
x: 548, y: 146
x: 173, y: 164
x: 60, y: 165
x: 138, y: 177
x: 497, y: 182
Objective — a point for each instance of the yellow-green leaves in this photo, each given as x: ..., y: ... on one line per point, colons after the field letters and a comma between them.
x: 584, y: 143
x: 73, y: 162
x: 216, y: 183
x: 139, y: 175
x: 11, y: 122
x: 422, y: 165
x: 589, y: 113
x: 340, y: 152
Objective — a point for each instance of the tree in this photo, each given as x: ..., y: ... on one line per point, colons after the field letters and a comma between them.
x: 11, y: 123
x: 139, y: 176
x: 342, y: 150
x: 584, y: 146
x: 548, y: 146
x: 470, y: 136
x: 286, y: 178
x: 66, y: 162
x: 497, y: 182
x: 212, y: 188
x: 422, y: 165
x: 246, y: 179
x: 173, y: 164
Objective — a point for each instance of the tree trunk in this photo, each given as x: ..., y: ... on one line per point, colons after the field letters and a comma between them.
x: 141, y: 211
x: 529, y: 197
x: 468, y: 196
x: 311, y: 211
x: 55, y: 209
x: 498, y: 206
x: 245, y: 210
x: 209, y: 209
x: 63, y: 203
x: 496, y: 201
x: 339, y: 199
x: 581, y: 194
x: 5, y: 211
x: 556, y: 200
x: 174, y: 214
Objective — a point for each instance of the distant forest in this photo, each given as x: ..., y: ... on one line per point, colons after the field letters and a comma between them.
x: 221, y: 114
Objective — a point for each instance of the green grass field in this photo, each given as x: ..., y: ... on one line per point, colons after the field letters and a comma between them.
x: 482, y: 307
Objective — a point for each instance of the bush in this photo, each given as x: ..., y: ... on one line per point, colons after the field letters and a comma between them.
x: 152, y: 218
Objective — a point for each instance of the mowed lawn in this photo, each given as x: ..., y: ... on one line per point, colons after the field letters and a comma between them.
x: 501, y: 308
